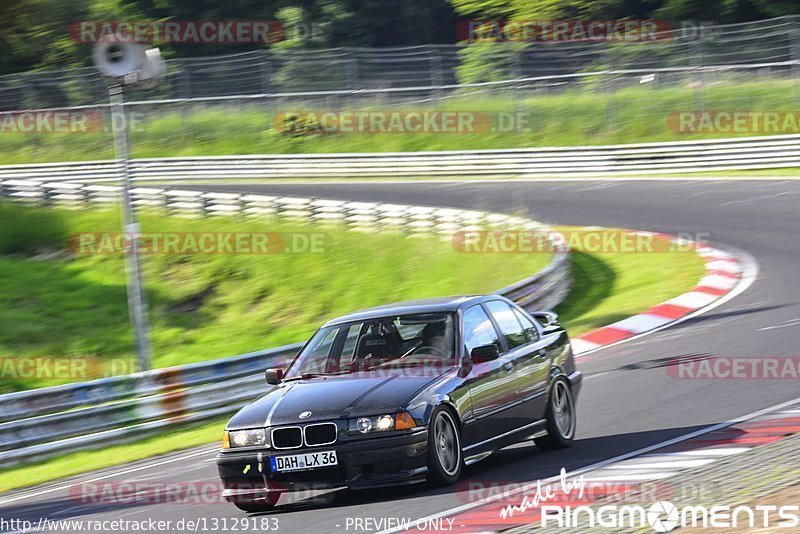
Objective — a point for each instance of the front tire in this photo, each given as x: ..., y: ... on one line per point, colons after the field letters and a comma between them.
x: 560, y: 416
x: 445, y: 457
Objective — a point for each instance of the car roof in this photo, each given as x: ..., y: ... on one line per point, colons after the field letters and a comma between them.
x: 430, y: 305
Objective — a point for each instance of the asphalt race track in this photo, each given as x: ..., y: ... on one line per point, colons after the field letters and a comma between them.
x: 628, y: 402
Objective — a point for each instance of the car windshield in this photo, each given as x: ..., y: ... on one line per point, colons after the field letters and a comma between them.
x: 386, y: 342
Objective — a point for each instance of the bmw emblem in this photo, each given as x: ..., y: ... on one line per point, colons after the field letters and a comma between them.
x: 305, y: 415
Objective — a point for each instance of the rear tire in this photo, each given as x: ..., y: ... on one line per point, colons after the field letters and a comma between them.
x: 445, y: 457
x: 561, y: 418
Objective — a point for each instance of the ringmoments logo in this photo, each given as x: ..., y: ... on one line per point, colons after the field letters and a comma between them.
x: 664, y: 516
x: 555, y: 511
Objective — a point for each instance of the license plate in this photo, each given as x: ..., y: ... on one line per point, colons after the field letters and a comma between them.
x: 301, y: 462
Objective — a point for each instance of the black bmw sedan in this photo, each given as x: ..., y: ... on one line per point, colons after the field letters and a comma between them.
x: 400, y: 394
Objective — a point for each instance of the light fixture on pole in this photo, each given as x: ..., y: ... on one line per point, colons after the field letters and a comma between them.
x: 127, y: 63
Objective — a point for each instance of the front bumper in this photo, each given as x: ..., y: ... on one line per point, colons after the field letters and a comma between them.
x: 362, y: 463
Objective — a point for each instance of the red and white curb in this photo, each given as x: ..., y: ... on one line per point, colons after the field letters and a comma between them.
x: 726, y: 275
x: 638, y: 480
x: 638, y: 477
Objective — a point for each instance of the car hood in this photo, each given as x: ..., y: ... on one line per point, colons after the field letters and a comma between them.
x: 329, y: 398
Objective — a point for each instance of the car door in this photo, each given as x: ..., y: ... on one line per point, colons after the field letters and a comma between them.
x: 492, y: 407
x: 529, y: 357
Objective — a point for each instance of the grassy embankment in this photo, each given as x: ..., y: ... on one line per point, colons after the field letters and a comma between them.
x: 211, y: 306
x: 581, y: 116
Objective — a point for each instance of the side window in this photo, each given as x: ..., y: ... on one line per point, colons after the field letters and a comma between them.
x: 350, y: 343
x: 530, y: 329
x: 509, y: 325
x: 319, y: 350
x: 478, y: 329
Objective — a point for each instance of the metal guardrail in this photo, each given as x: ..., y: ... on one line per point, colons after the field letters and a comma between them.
x: 650, y: 158
x: 52, y: 421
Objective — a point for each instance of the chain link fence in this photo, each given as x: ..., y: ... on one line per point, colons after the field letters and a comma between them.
x: 771, y: 48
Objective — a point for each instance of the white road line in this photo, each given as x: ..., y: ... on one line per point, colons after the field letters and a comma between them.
x: 554, y: 179
x: 727, y: 451
x: 596, y: 466
x: 108, y: 475
x: 661, y: 465
x: 632, y: 477
x: 786, y: 324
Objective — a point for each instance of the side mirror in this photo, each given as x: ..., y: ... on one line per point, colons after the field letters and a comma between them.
x: 273, y: 376
x: 549, y: 320
x: 485, y: 353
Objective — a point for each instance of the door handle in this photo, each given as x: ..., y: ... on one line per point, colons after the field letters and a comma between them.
x: 508, y: 366
x: 540, y: 353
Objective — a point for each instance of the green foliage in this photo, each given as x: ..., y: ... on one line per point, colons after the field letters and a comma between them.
x: 29, y: 231
x: 704, y: 10
x: 487, y: 61
x: 35, y: 33
x: 214, y: 305
x: 587, y: 114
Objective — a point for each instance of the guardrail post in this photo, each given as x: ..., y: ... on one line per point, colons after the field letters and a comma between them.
x: 610, y: 100
x: 241, y: 206
x: 85, y: 194
x: 794, y: 36
x: 46, y: 199
x: 265, y: 68
x: 184, y: 92
x: 165, y: 200
x: 696, y: 49
x: 435, y: 66
x: 352, y: 72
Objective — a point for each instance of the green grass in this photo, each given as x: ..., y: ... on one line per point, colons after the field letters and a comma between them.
x: 580, y: 116
x: 743, y: 174
x: 177, y: 438
x: 607, y: 287
x: 612, y: 286
x: 205, y: 307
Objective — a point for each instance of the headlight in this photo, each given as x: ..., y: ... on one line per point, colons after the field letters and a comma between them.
x: 256, y: 437
x: 381, y: 423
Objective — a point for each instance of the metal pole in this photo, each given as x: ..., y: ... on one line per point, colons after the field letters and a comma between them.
x: 137, y: 301
x: 794, y: 36
x: 611, y: 97
x: 696, y: 48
